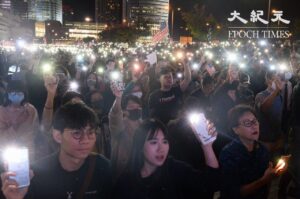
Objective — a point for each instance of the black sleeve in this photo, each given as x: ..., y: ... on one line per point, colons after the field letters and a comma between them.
x: 106, y: 175
x: 122, y: 188
x: 195, y: 183
x: 230, y: 180
x: 152, y: 104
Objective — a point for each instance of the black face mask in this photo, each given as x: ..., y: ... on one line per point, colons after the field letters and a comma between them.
x: 135, y: 114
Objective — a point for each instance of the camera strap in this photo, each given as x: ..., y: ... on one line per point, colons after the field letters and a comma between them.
x: 88, y: 177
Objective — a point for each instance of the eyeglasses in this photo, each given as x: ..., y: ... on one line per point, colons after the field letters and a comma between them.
x: 79, y: 134
x: 249, y: 123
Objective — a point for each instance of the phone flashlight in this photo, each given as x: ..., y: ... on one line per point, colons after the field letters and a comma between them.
x: 272, y: 67
x: 209, y: 54
x: 47, y: 68
x: 283, y: 67
x: 179, y: 75
x: 74, y: 86
x: 84, y: 68
x: 242, y: 65
x: 280, y: 164
x: 101, y: 70
x: 17, y: 160
x: 195, y: 66
x: 231, y: 56
x: 79, y: 58
x: 263, y: 42
x: 179, y: 55
x: 199, y: 124
x: 136, y: 66
x: 115, y: 75
x: 194, y: 118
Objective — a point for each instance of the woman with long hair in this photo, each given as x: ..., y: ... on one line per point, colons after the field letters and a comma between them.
x: 152, y: 174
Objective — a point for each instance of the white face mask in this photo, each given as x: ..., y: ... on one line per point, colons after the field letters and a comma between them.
x: 273, y: 86
x: 138, y: 94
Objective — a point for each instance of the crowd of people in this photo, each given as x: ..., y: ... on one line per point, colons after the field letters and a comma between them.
x: 108, y: 121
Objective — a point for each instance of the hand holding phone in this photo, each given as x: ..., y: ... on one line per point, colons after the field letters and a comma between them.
x: 201, y: 128
x: 17, y: 161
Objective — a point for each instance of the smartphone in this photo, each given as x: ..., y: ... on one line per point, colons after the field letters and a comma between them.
x: 199, y: 124
x: 18, y: 162
x: 120, y: 85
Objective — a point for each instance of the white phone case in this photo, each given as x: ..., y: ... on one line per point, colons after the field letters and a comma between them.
x: 20, y: 166
x: 201, y: 130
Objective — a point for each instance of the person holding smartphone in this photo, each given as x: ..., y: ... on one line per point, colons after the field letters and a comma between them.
x: 152, y: 174
x: 245, y: 164
x: 19, y: 121
x: 269, y: 105
x: 72, y: 172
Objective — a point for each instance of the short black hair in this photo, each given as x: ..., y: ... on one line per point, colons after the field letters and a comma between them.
x: 128, y: 98
x: 16, y: 86
x: 74, y: 116
x: 270, y: 74
x: 165, y: 70
x: 110, y: 60
x: 236, y: 113
x: 69, y: 95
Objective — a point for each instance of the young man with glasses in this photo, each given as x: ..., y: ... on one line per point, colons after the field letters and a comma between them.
x: 246, y: 170
x: 73, y: 172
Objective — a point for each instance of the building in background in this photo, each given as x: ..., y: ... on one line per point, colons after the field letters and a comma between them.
x: 20, y: 8
x: 12, y: 28
x: 81, y: 30
x: 43, y: 10
x: 151, y: 13
x: 17, y: 7
x: 5, y: 4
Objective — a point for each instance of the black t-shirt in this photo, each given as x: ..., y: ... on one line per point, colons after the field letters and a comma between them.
x: 52, y: 181
x: 173, y: 180
x: 164, y: 105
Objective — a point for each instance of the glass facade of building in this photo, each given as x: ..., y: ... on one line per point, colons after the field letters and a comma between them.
x: 80, y: 30
x: 5, y: 4
x: 154, y: 12
x: 42, y: 10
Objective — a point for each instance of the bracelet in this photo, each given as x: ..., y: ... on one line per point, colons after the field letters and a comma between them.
x: 48, y: 108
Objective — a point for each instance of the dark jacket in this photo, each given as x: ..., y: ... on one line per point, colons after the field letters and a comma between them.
x: 174, y: 180
x: 240, y: 167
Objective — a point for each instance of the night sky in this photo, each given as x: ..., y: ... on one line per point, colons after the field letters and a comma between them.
x: 220, y: 8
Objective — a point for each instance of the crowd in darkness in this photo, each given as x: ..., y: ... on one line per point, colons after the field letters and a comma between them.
x: 123, y: 130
